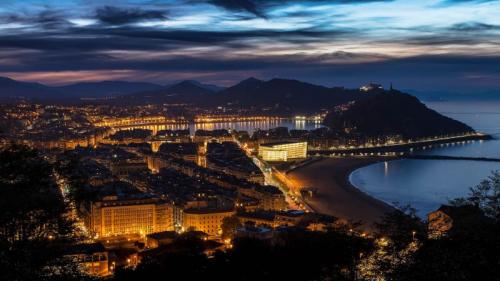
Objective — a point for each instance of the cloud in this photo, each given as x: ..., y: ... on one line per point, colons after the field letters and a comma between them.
x: 118, y: 16
x: 447, y: 3
x: 48, y: 19
x: 258, y: 7
x: 324, y: 41
x: 474, y: 26
x: 466, y: 1
x: 250, y: 6
x: 144, y: 38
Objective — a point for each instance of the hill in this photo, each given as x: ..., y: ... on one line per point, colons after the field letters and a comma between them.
x: 393, y: 113
x: 284, y: 95
x: 211, y: 87
x: 145, y: 92
x: 182, y: 92
x: 13, y: 88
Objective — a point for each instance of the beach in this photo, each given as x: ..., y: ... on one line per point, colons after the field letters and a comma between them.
x: 336, y: 196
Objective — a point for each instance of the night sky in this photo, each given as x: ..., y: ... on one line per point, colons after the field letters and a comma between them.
x: 416, y: 44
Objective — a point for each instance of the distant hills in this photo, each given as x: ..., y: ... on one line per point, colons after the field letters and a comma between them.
x: 211, y: 87
x: 276, y: 95
x: 183, y: 92
x: 13, y: 88
x: 394, y: 113
x: 286, y: 95
x: 281, y: 95
x: 373, y: 113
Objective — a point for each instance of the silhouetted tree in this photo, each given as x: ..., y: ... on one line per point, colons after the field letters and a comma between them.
x: 229, y: 226
x: 485, y: 196
x: 468, y: 251
x: 34, y: 227
x: 401, y: 226
x: 293, y: 255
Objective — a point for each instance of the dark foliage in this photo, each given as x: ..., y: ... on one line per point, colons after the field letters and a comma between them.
x: 229, y: 226
x: 297, y: 255
x: 402, y: 226
x: 34, y: 228
x: 469, y: 251
x: 472, y: 255
x: 79, y: 190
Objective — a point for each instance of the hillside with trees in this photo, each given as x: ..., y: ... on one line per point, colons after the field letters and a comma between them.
x: 394, y: 113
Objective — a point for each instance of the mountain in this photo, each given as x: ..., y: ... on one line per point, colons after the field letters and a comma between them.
x: 182, y: 92
x: 211, y: 87
x: 393, y: 113
x: 285, y: 95
x: 247, y: 86
x: 189, y: 88
x: 106, y: 88
x: 13, y: 88
x: 277, y: 96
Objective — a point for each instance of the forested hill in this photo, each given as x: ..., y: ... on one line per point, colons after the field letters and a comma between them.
x: 393, y: 113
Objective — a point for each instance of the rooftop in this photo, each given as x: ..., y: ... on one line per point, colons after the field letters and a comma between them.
x: 163, y: 235
x: 270, y: 144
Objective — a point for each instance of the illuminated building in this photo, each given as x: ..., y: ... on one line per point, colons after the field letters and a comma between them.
x: 186, y: 151
x: 208, y: 221
x: 258, y: 218
x: 446, y: 219
x: 112, y: 216
x: 93, y: 258
x: 371, y: 87
x: 283, y: 151
x: 229, y: 158
x: 269, y: 197
x: 289, y: 218
x: 123, y: 168
x: 155, y: 240
x: 254, y: 232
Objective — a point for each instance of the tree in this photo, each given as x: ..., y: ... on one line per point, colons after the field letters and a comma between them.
x: 229, y: 226
x: 297, y: 254
x: 467, y: 252
x: 34, y: 227
x: 69, y: 166
x: 401, y: 227
x: 400, y: 233
x: 485, y: 196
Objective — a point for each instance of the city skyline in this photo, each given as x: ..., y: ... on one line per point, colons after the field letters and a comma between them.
x: 332, y: 43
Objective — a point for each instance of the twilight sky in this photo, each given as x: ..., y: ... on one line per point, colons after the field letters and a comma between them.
x: 417, y: 44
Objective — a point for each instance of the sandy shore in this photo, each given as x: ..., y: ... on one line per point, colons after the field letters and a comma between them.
x: 336, y: 196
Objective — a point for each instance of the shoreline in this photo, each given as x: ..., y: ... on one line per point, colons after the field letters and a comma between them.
x: 400, y: 148
x: 337, y: 196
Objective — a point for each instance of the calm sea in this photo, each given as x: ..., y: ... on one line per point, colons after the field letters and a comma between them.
x: 426, y: 184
